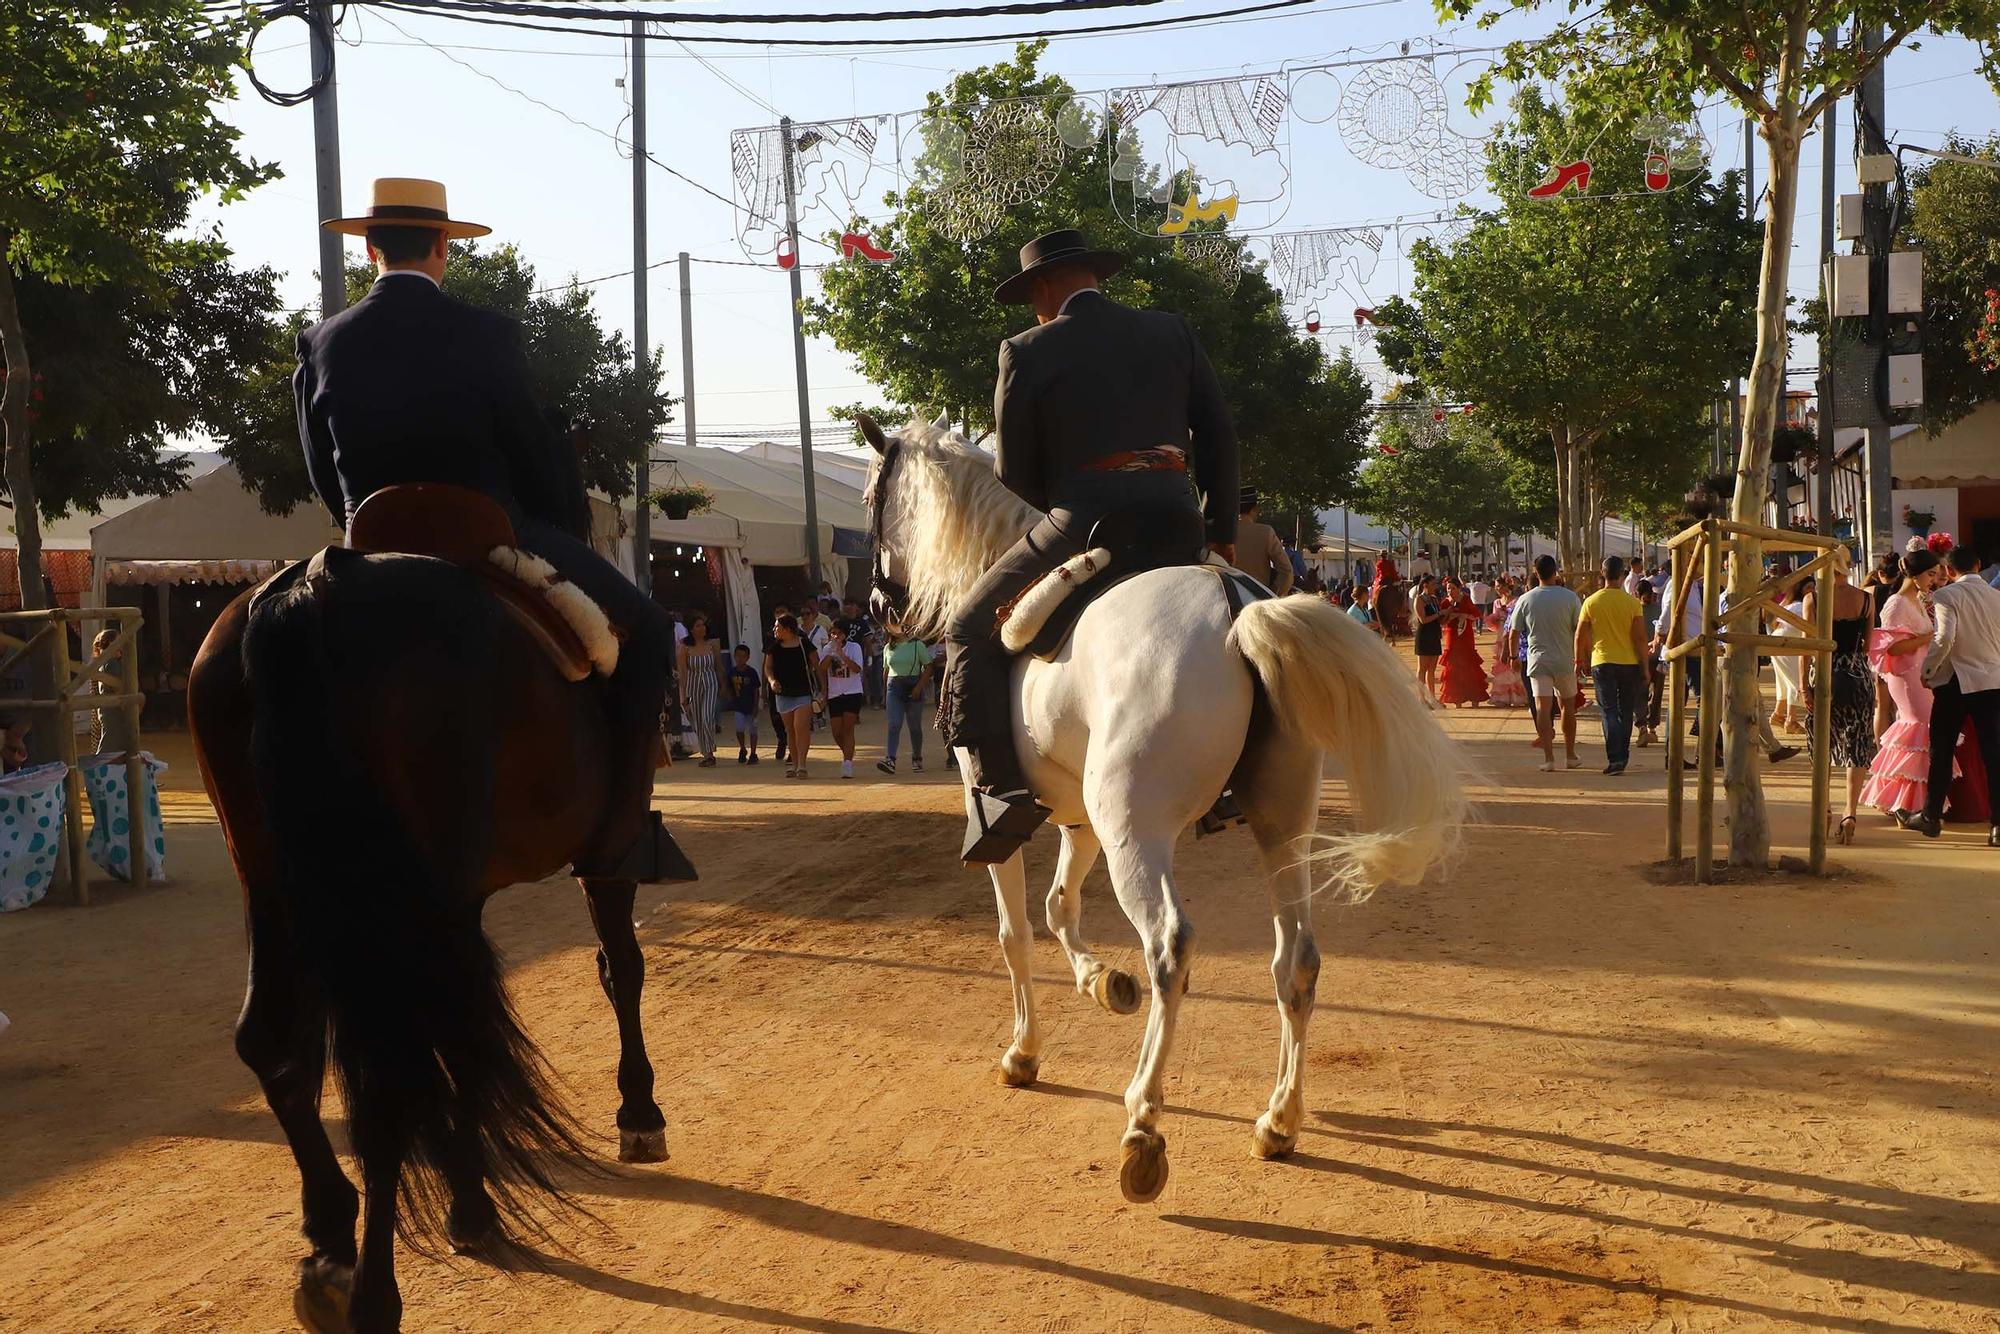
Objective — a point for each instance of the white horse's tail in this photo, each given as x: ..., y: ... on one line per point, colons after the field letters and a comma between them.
x: 1334, y: 684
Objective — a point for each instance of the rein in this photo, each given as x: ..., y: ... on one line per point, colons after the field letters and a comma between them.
x: 893, y: 593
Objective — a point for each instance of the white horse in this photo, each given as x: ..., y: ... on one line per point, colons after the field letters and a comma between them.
x: 1129, y: 734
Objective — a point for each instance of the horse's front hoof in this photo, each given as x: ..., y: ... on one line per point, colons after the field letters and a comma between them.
x: 1017, y: 1071
x: 1267, y: 1143
x: 1116, y: 991
x: 1142, y: 1173
x: 642, y: 1146
x: 320, y: 1300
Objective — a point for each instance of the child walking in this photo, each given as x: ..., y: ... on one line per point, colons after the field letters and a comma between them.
x: 742, y: 686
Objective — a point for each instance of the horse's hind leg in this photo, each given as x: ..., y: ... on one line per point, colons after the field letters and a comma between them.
x: 377, y: 1304
x: 281, y: 1036
x: 1116, y: 991
x: 1281, y: 800
x: 1023, y: 1059
x: 1142, y: 873
x: 621, y: 970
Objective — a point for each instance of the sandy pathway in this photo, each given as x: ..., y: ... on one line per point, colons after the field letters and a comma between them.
x: 1545, y: 1093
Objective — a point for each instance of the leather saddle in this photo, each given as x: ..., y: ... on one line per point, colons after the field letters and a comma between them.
x: 465, y: 527
x: 1139, y: 540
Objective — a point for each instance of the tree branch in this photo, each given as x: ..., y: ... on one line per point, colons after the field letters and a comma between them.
x: 1869, y: 60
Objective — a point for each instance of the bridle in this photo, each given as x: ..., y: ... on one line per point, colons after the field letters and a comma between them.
x: 890, y: 594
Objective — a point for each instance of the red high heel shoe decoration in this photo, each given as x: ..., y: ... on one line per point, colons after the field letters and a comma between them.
x: 1362, y: 314
x: 1570, y: 173
x: 1658, y: 177
x: 1312, y: 321
x: 857, y: 243
x: 788, y: 258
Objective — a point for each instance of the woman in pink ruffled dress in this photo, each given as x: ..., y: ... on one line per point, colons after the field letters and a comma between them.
x: 1898, y: 781
x: 1504, y: 685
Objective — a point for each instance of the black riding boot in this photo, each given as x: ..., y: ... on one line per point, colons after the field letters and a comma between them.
x: 1002, y: 814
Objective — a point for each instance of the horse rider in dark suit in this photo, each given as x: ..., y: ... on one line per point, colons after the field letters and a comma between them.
x: 1099, y: 408
x: 410, y: 385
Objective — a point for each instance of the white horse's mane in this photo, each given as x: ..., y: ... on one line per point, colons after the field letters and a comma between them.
x: 953, y: 517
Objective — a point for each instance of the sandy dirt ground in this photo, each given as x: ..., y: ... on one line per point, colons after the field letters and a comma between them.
x: 1545, y: 1092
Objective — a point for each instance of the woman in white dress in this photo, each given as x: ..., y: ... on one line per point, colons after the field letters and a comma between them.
x: 1791, y: 708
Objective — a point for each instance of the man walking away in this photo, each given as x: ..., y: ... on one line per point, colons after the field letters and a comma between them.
x: 1963, y: 669
x: 1612, y: 633
x: 1548, y: 615
x: 1260, y: 552
x: 1481, y: 594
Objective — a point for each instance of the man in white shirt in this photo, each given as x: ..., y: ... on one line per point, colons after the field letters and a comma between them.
x: 1481, y: 594
x: 1962, y: 667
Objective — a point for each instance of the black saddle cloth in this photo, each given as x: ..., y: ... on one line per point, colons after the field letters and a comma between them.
x: 1139, y: 540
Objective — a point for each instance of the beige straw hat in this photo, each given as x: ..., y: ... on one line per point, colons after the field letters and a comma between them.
x: 406, y: 201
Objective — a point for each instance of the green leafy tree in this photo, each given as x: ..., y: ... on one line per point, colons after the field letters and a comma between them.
x: 1955, y: 220
x: 1637, y: 56
x: 926, y: 328
x: 579, y: 368
x: 108, y: 133
x: 1602, y: 327
x: 123, y: 371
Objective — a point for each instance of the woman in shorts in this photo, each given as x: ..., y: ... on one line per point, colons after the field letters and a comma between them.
x: 789, y: 670
x: 841, y: 668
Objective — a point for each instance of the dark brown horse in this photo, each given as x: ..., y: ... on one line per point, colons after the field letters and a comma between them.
x: 386, y: 748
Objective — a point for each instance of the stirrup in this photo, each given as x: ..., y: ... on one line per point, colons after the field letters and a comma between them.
x: 654, y: 858
x: 997, y: 829
x: 1223, y: 815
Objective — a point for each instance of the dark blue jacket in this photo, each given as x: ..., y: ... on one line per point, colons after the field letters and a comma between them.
x: 410, y: 385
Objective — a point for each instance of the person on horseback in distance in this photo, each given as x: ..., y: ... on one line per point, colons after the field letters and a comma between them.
x: 1099, y: 408
x: 410, y: 385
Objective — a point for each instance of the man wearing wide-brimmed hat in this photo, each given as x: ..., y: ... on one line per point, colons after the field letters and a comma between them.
x: 411, y: 385
x: 1097, y: 409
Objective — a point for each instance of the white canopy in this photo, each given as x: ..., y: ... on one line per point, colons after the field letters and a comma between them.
x: 759, y: 505
x: 215, y: 519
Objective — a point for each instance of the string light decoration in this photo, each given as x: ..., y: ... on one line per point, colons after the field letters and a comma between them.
x: 1011, y: 152
x: 1393, y: 115
x: 1214, y: 151
x: 832, y: 162
x: 1218, y: 256
x: 1311, y: 268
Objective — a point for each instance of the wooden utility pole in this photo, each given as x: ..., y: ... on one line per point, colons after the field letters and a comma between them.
x: 326, y: 161
x: 642, y: 512
x: 799, y: 356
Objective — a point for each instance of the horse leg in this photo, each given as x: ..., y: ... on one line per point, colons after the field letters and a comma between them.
x: 1281, y: 801
x: 1116, y: 991
x: 377, y: 1304
x: 1142, y: 873
x: 281, y: 1036
x: 1023, y: 1060
x: 621, y: 970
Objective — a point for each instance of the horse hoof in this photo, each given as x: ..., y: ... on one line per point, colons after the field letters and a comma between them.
x: 642, y: 1146
x: 320, y: 1300
x: 1116, y: 991
x: 1142, y: 1173
x: 1267, y: 1143
x: 1017, y: 1071
x: 478, y: 1242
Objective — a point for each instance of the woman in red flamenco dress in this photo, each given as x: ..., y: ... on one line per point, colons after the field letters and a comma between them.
x: 1462, y: 678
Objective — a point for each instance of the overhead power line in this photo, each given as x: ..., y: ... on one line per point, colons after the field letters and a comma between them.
x: 1241, y: 14
x: 530, y: 9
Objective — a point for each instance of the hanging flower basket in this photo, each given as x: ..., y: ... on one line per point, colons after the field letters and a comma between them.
x: 683, y: 500
x: 1918, y: 521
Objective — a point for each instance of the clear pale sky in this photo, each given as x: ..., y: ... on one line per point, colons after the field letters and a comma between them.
x: 423, y: 97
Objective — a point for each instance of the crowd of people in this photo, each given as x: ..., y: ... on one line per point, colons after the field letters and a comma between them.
x: 820, y: 665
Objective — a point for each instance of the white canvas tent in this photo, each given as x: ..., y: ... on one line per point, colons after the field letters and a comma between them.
x: 758, y: 518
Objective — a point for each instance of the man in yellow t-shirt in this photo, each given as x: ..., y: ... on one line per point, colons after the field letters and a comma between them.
x: 1612, y: 632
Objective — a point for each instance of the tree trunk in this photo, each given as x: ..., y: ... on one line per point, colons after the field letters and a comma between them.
x: 1565, y: 497
x: 18, y: 462
x: 1749, y: 823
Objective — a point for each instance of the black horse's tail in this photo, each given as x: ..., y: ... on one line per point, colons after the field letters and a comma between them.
x: 381, y: 875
